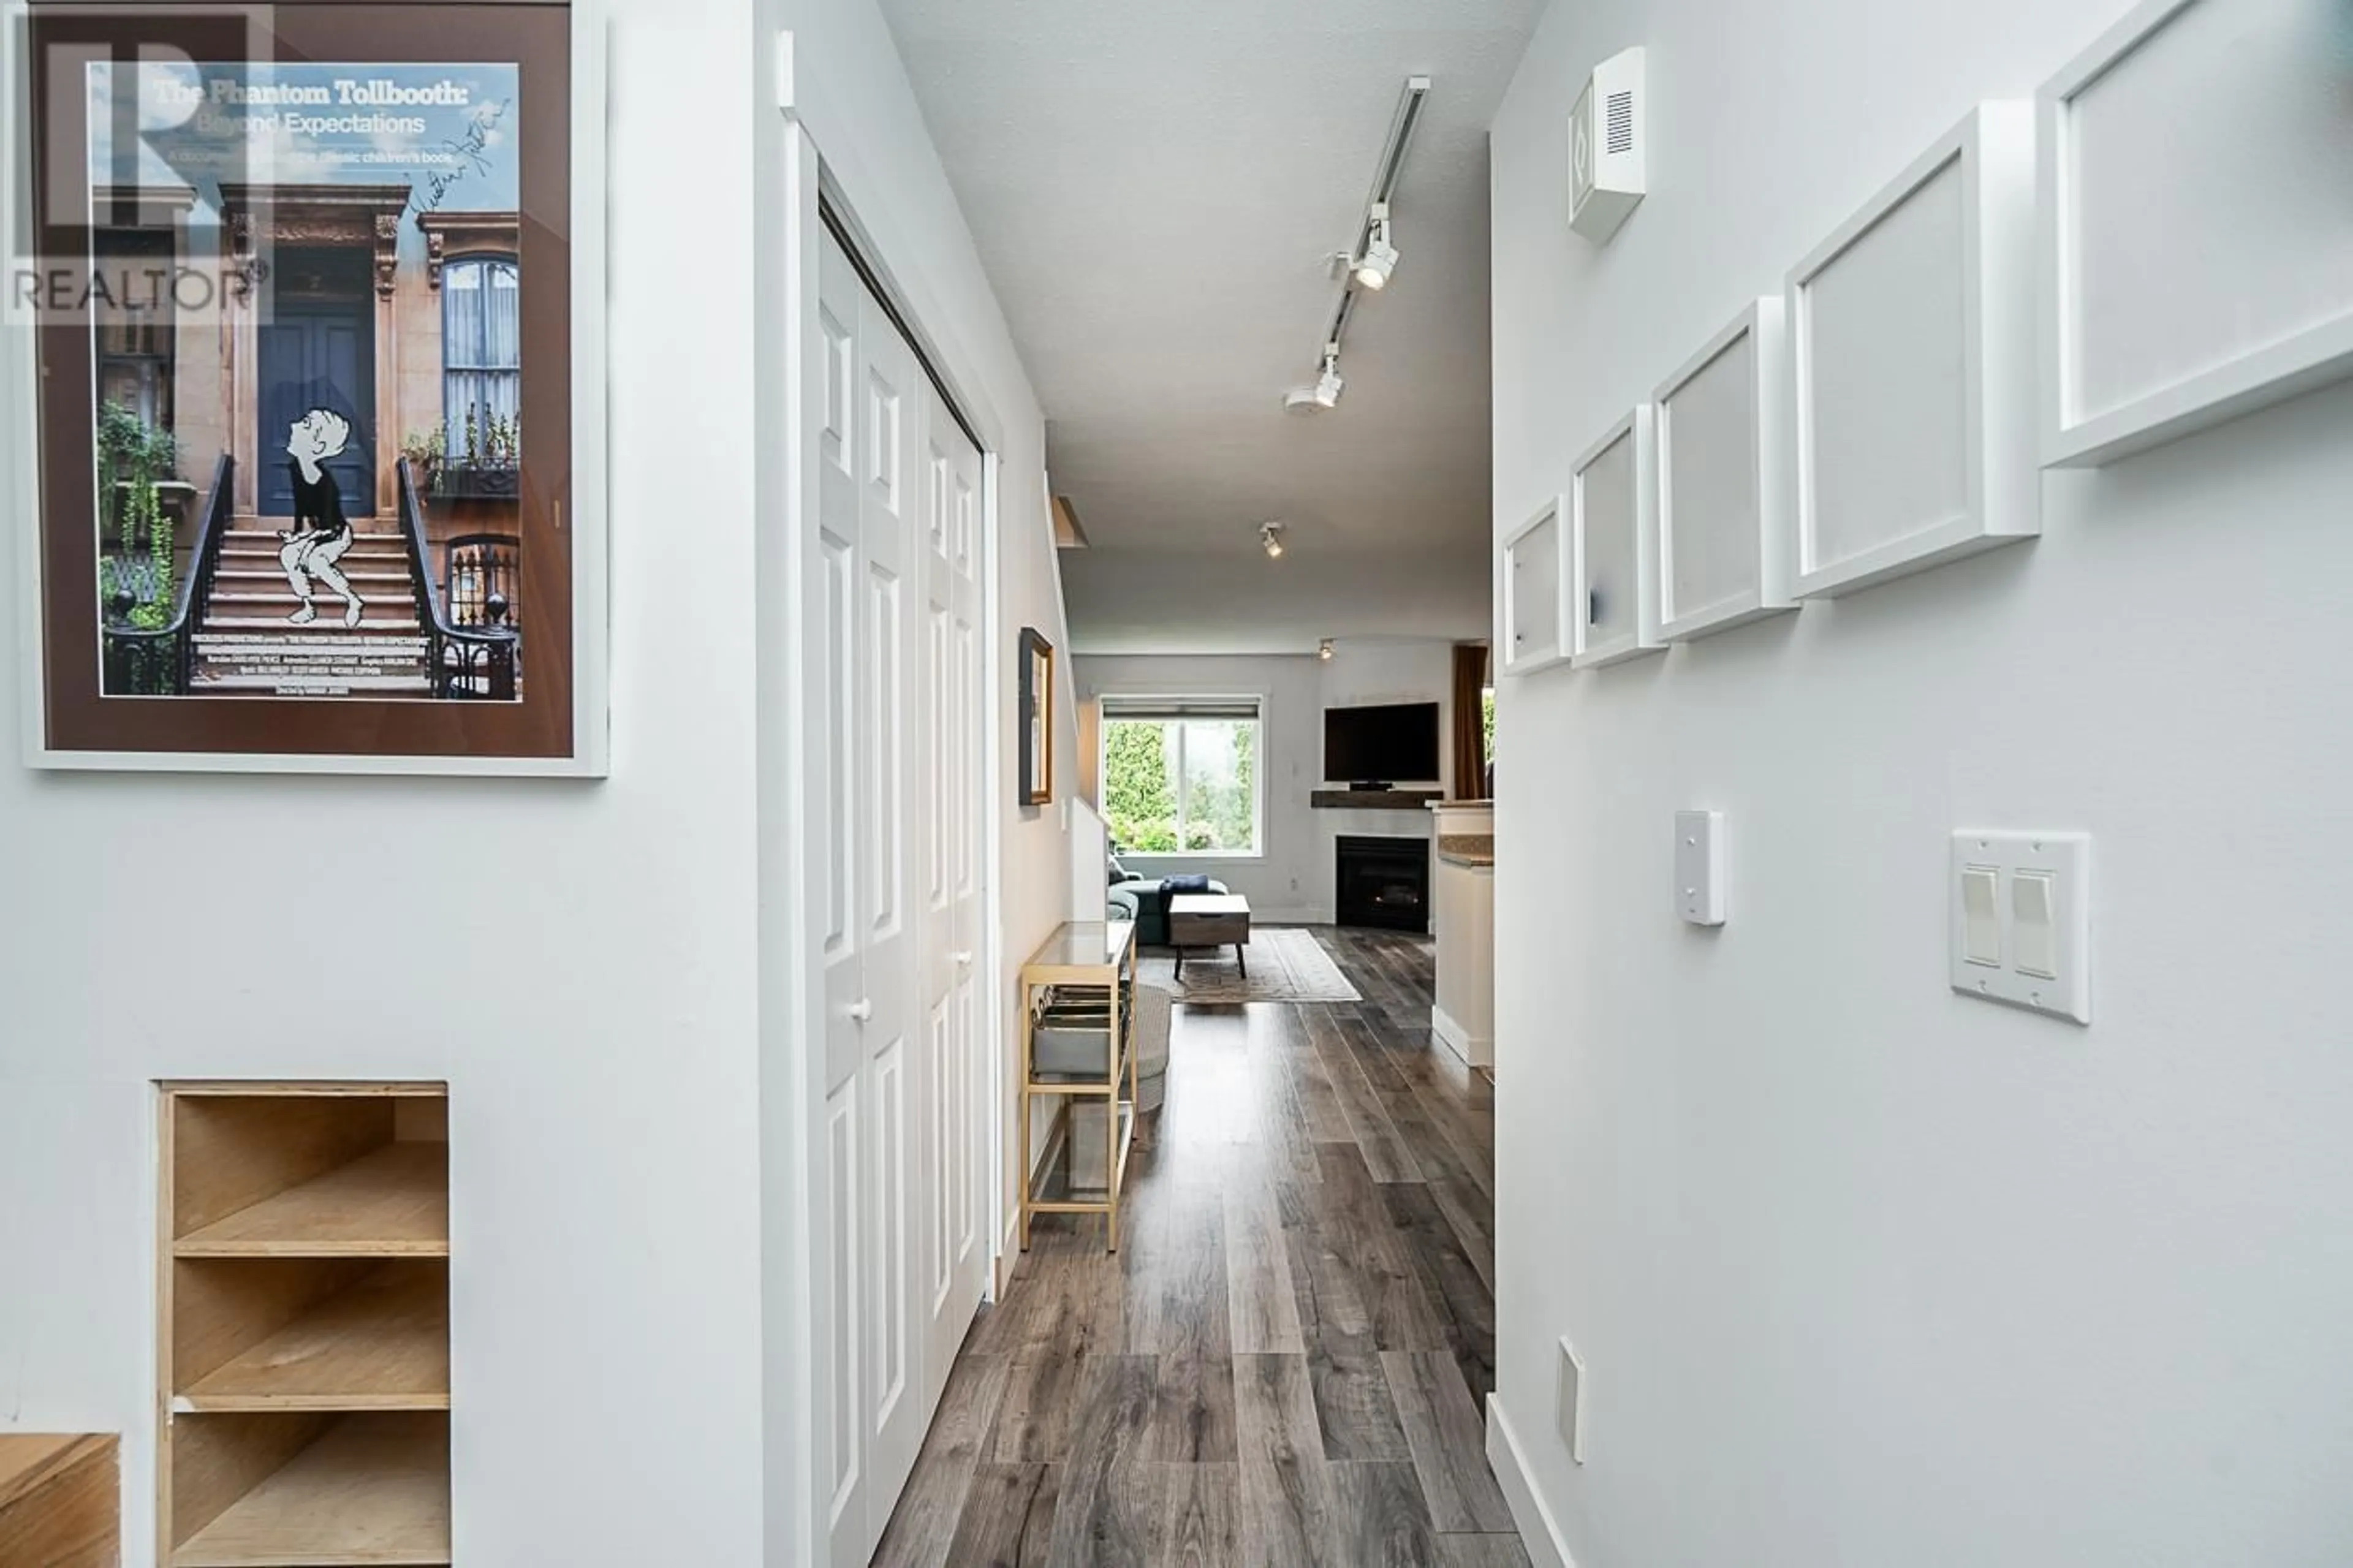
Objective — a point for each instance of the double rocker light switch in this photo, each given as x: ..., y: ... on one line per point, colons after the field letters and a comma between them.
x: 2021, y: 929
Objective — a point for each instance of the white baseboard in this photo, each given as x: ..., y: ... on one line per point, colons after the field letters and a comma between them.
x: 1539, y: 1531
x: 1474, y: 1051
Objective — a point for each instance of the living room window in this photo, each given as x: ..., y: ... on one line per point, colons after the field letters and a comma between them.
x: 1180, y: 775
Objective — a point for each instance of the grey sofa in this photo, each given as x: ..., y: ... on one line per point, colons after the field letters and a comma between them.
x: 1144, y: 900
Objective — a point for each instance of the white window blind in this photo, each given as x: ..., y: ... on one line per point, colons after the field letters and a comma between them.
x: 1176, y: 710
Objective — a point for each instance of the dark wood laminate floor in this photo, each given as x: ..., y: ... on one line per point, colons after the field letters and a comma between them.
x: 1287, y: 1362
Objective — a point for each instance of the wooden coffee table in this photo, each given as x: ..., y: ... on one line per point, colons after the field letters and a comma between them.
x: 1209, y: 921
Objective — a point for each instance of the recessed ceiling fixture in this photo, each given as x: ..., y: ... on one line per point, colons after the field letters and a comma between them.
x: 1325, y: 392
x: 1368, y: 263
x: 1324, y: 650
x: 1380, y: 258
x: 1270, y: 536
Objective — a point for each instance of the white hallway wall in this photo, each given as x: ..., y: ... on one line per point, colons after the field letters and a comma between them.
x: 621, y: 1001
x: 1293, y: 881
x: 1864, y: 1273
x: 576, y: 959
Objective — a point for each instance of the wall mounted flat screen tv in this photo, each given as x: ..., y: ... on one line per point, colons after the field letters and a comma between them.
x: 1381, y: 745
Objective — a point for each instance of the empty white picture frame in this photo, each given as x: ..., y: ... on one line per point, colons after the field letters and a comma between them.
x: 1911, y: 367
x: 2196, y: 227
x: 1614, y: 545
x: 1723, y: 556
x: 1534, y: 566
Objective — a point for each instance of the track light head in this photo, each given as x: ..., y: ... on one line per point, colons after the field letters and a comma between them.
x: 1380, y: 256
x: 1270, y: 537
x: 1324, y: 650
x: 1325, y: 392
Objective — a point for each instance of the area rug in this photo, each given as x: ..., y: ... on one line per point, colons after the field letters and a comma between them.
x: 1285, y: 966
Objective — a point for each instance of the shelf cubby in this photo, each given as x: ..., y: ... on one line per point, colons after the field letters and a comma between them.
x: 305, y: 1344
x: 310, y: 1334
x: 313, y: 1490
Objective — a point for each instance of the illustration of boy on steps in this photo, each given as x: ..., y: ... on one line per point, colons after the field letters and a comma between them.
x: 321, y: 533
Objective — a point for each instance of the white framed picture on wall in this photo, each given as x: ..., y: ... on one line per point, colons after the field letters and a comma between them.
x: 1724, y: 556
x: 1531, y: 592
x: 2196, y: 208
x: 1613, y: 544
x: 1911, y: 336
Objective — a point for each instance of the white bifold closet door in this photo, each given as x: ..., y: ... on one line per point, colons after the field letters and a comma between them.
x: 899, y: 892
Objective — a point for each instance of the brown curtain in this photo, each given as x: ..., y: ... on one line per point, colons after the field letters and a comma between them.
x: 1469, y: 747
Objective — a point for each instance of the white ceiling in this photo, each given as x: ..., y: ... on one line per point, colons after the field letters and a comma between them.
x: 1153, y: 188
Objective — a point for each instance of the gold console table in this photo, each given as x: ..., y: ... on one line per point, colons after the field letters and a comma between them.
x: 1078, y: 995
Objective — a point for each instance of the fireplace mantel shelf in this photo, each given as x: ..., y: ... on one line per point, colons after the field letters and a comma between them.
x: 1375, y: 799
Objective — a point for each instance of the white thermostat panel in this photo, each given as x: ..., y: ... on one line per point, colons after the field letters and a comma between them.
x: 1699, y: 867
x: 1608, y: 142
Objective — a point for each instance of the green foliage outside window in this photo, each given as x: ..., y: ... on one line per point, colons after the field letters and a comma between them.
x: 1172, y: 787
x: 1139, y: 797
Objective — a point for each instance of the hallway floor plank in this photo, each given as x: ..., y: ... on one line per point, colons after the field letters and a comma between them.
x: 1287, y: 1361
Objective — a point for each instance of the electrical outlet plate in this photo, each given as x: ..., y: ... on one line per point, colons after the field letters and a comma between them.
x: 2033, y: 948
x: 1568, y: 1413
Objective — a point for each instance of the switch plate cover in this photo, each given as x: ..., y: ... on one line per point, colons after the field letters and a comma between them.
x: 1699, y: 867
x: 2041, y: 917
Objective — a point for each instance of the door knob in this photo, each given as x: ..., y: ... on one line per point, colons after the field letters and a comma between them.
x: 964, y: 960
x: 861, y: 1010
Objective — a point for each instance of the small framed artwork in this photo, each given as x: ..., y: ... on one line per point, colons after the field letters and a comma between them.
x: 1613, y: 545
x: 1911, y: 342
x: 304, y: 437
x: 1534, y: 566
x: 1037, y: 781
x: 2195, y: 221
x: 1723, y: 539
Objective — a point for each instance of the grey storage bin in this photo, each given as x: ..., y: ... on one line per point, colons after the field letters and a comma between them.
x: 1071, y: 1039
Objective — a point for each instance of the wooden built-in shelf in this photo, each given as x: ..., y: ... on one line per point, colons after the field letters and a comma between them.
x: 382, y: 1344
x: 1375, y: 799
x: 364, y: 1489
x: 305, y: 1364
x: 393, y: 1202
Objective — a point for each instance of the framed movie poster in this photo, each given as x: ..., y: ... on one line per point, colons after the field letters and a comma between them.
x: 304, y: 430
